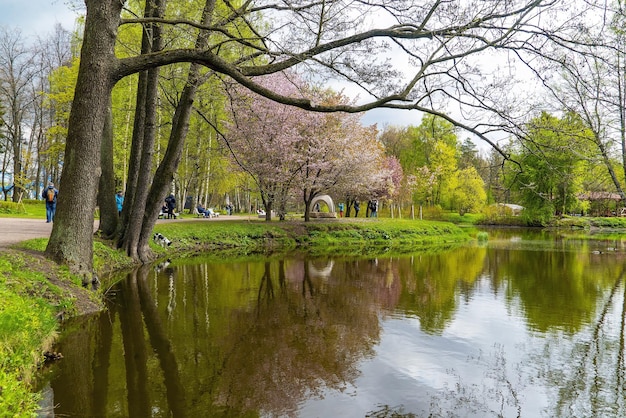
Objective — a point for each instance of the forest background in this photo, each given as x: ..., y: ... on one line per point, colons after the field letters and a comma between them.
x: 553, y: 119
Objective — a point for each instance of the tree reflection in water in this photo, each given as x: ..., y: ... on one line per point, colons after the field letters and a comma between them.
x: 595, y: 386
x: 188, y: 343
x: 471, y: 332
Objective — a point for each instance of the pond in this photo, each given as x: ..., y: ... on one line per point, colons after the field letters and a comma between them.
x: 530, y: 324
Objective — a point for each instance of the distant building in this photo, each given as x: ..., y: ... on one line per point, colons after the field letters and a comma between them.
x: 601, y: 203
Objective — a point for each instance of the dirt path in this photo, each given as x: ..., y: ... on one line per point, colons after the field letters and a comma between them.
x: 14, y: 230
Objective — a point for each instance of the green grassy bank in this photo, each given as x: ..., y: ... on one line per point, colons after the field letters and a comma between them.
x: 36, y: 292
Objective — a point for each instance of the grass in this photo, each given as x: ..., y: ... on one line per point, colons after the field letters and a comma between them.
x: 346, y: 236
x: 28, y: 325
x: 25, y: 209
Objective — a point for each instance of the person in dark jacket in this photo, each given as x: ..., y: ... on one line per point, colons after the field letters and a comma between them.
x: 49, y: 195
x: 170, y: 202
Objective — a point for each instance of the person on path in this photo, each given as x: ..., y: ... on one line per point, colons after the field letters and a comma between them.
x: 49, y: 195
x: 374, y: 208
x: 341, y: 210
x: 170, y: 202
x: 119, y: 201
x: 357, y: 207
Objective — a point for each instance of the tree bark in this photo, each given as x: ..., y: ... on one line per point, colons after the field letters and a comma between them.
x: 106, y: 190
x: 143, y: 141
x: 71, y: 239
x: 165, y: 172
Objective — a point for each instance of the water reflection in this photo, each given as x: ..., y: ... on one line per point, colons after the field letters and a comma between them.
x: 528, y: 326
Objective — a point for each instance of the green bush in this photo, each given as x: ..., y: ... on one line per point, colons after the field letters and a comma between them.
x: 12, y: 208
x: 24, y: 209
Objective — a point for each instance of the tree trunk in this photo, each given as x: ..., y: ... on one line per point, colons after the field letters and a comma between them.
x: 144, y: 137
x: 143, y: 176
x: 165, y: 173
x: 71, y: 240
x: 106, y: 190
x: 621, y: 87
x: 309, y: 195
x: 609, y: 166
x: 18, y: 176
x: 307, y: 211
x: 349, y: 203
x: 135, y: 156
x: 180, y: 126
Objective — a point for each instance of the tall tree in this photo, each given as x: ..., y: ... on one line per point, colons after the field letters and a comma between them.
x: 340, y: 156
x: 17, y: 73
x: 469, y: 194
x: 143, y: 139
x: 552, y: 162
x: 71, y: 238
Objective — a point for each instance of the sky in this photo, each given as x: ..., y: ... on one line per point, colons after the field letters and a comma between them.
x: 36, y: 17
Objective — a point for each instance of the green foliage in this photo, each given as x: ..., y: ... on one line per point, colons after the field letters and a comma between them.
x: 59, y: 99
x: 433, y: 212
x: 424, y: 139
x: 553, y: 165
x: 500, y: 215
x: 467, y: 218
x: 538, y: 215
x: 574, y: 222
x: 439, y: 171
x: 469, y: 194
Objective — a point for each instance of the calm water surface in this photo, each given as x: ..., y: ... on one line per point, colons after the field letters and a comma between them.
x: 528, y: 325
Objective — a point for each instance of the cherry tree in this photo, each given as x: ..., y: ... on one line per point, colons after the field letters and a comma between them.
x: 340, y: 155
x: 265, y: 139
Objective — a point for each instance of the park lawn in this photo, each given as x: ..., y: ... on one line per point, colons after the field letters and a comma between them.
x: 31, y: 209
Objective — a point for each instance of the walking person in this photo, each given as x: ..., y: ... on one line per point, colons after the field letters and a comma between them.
x: 357, y: 206
x: 50, y: 196
x: 341, y: 210
x: 119, y: 201
x: 170, y: 202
